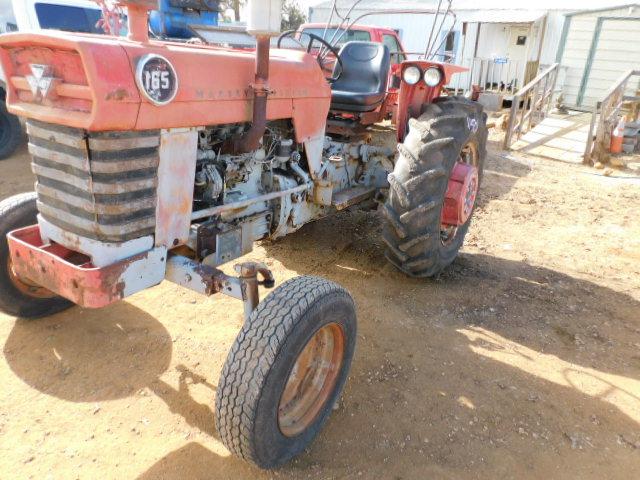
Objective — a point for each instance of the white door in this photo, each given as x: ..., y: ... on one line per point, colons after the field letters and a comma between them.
x: 518, y: 54
x: 617, y: 50
x: 518, y: 44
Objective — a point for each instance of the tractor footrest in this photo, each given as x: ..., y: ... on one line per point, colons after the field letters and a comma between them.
x: 353, y: 196
x: 71, y: 275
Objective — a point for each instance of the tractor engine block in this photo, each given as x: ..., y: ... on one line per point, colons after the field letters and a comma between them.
x: 98, y: 192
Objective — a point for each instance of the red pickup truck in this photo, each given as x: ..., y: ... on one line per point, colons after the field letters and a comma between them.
x: 362, y: 33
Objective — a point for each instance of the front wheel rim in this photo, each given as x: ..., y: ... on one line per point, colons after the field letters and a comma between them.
x: 25, y: 286
x: 312, y: 380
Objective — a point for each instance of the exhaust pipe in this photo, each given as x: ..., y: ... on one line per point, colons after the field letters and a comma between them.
x: 264, y: 23
x: 137, y: 18
x: 249, y: 141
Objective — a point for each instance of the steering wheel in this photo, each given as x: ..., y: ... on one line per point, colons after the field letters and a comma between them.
x: 326, y: 66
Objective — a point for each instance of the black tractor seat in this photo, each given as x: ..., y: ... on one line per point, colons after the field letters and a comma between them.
x: 362, y: 86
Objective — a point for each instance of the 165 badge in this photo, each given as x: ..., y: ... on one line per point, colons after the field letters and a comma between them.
x: 157, y: 79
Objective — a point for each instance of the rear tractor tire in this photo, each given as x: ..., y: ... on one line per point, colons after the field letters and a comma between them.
x: 286, y: 371
x: 434, y: 186
x: 19, y: 297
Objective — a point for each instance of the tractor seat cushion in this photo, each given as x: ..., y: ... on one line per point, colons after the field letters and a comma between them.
x: 362, y: 86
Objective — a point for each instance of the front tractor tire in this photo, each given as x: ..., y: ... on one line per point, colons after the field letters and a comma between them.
x: 10, y: 131
x: 434, y: 186
x: 286, y: 371
x: 20, y: 297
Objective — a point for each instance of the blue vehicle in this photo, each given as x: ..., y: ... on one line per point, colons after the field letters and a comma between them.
x: 171, y: 21
x: 174, y: 17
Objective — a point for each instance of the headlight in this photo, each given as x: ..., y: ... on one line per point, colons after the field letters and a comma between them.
x: 411, y: 75
x: 432, y: 77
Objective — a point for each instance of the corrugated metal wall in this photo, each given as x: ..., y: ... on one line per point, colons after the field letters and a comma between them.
x: 614, y: 55
x: 616, y: 48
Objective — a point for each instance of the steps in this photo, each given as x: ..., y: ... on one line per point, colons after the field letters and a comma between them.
x: 352, y: 196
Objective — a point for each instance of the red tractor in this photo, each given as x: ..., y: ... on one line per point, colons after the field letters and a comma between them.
x: 159, y: 160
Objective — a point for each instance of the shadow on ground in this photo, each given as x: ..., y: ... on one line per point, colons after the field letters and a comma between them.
x: 90, y: 355
x: 494, y: 365
x: 547, y: 310
x: 466, y: 384
x: 496, y: 369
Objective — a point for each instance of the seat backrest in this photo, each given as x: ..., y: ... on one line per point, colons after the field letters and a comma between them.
x: 365, y: 68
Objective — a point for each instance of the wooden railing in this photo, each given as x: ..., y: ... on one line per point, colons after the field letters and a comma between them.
x: 531, y: 104
x: 605, y: 115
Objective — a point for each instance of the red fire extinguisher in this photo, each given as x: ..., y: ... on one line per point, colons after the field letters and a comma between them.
x: 617, y: 137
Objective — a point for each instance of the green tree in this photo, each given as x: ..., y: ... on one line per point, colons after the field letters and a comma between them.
x: 292, y: 15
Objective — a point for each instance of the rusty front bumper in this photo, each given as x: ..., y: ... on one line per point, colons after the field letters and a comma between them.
x: 71, y: 275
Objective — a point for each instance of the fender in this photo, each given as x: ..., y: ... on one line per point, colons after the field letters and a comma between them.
x: 412, y: 98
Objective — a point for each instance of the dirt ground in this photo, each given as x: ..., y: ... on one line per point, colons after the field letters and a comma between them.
x: 520, y: 361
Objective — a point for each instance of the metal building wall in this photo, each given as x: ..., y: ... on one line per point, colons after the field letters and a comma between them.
x: 580, y: 47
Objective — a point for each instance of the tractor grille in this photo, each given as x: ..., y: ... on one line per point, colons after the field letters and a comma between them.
x: 98, y: 185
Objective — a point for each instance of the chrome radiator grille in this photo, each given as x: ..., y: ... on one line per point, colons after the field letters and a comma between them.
x: 98, y: 185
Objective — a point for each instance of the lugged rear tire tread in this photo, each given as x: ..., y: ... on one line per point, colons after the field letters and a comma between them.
x: 419, y: 182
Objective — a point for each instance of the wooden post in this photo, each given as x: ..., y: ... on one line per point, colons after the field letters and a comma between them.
x: 534, y: 105
x: 475, y: 50
x: 586, y: 159
x: 512, y: 121
x: 553, y: 88
x: 525, y: 98
x: 464, y: 44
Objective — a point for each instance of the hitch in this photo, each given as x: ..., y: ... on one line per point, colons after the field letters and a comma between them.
x: 249, y: 272
x: 208, y: 280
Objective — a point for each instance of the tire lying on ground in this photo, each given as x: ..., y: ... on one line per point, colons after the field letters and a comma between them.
x: 451, y: 130
x: 20, y: 297
x: 10, y: 132
x: 286, y: 371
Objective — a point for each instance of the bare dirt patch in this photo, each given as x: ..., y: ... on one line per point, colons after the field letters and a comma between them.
x: 521, y: 361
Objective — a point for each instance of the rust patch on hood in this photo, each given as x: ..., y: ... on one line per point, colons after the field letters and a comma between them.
x: 117, y: 95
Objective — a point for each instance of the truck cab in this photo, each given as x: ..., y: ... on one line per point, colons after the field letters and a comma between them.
x: 359, y: 33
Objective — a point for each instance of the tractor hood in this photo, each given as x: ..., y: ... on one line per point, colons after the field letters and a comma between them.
x: 98, y: 83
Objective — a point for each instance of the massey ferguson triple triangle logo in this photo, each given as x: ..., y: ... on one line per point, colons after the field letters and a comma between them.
x: 41, y: 81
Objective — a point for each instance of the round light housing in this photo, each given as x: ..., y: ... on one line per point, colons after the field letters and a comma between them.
x: 433, y: 77
x: 411, y: 75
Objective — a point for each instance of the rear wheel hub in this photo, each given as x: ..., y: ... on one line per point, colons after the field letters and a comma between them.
x: 461, y: 195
